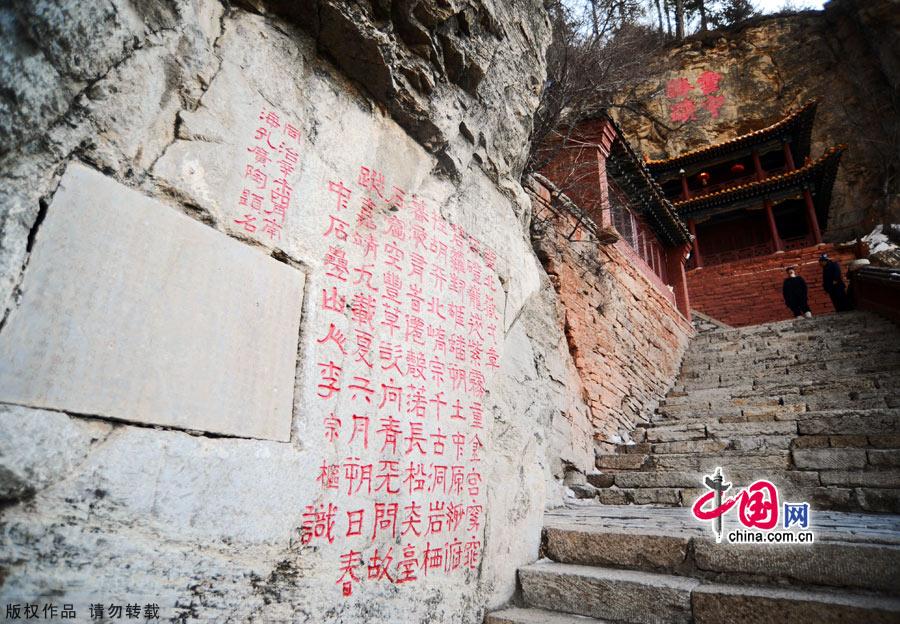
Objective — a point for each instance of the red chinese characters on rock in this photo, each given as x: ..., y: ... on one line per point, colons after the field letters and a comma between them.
x: 406, y: 339
x: 685, y: 102
x: 272, y: 159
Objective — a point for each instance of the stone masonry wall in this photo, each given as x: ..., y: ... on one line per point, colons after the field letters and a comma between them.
x: 748, y: 292
x: 625, y: 334
x: 272, y: 347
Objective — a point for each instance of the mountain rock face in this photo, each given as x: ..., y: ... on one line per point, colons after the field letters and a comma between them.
x: 194, y: 195
x: 724, y: 84
x: 461, y: 77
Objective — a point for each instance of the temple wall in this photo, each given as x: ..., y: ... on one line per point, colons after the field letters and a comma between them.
x: 624, y: 331
x: 748, y: 292
x: 275, y: 345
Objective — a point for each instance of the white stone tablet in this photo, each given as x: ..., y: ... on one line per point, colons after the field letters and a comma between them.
x: 131, y: 310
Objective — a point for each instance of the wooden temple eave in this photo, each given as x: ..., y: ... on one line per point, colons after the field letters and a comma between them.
x: 625, y: 166
x: 817, y: 177
x: 796, y: 127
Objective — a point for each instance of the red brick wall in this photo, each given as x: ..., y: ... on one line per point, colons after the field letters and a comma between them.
x: 748, y: 292
x: 624, y: 332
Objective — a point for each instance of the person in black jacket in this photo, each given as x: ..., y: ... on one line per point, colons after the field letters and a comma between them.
x: 795, y: 294
x: 833, y: 284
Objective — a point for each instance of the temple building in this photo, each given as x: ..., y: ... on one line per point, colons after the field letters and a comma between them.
x: 609, y: 192
x: 747, y: 197
x: 759, y: 200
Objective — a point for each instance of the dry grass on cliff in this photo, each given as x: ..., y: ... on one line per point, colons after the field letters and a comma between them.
x: 594, y: 61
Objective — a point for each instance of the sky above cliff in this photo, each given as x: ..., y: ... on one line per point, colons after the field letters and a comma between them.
x: 771, y: 6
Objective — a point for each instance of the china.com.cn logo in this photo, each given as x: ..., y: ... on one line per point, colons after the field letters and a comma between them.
x: 758, y: 512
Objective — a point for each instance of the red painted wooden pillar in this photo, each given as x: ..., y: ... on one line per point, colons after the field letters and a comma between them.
x: 773, y: 227
x: 757, y: 164
x: 685, y: 192
x: 603, y: 188
x: 698, y: 262
x: 788, y: 156
x: 811, y: 218
x: 675, y: 260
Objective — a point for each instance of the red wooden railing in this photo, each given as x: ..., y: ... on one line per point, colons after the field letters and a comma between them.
x: 747, y: 179
x: 639, y: 236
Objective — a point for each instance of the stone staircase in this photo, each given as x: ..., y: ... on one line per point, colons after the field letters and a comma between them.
x: 810, y: 405
x: 813, y: 405
x: 655, y: 565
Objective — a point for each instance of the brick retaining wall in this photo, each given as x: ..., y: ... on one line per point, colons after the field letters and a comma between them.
x: 748, y: 292
x: 625, y: 334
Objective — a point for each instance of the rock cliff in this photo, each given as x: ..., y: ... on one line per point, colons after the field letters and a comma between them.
x: 137, y: 140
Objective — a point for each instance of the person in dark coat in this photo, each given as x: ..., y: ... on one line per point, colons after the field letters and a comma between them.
x: 795, y: 294
x: 833, y: 284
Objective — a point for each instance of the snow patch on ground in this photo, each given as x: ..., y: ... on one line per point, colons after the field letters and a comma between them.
x: 878, y: 240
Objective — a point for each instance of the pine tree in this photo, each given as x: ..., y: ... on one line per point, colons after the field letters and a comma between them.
x: 732, y: 12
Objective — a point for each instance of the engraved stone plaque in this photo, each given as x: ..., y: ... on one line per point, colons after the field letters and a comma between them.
x: 131, y: 310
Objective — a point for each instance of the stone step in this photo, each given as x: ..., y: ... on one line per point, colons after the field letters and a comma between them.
x: 676, y: 432
x: 830, y: 458
x: 734, y: 442
x: 878, y: 500
x: 701, y: 356
x: 772, y: 452
x: 847, y: 440
x: 862, y: 400
x: 606, y: 593
x: 725, y: 604
x: 752, y: 350
x: 852, y: 417
x: 639, y: 597
x: 751, y: 364
x: 827, y: 336
x: 671, y: 497
x: 875, y: 421
x: 820, y: 369
x: 873, y: 489
x: 732, y: 415
x: 694, y: 479
x: 623, y: 461
x: 889, y: 479
x: 866, y: 566
x: 730, y: 410
x: 790, y: 391
x: 767, y: 383
x: 537, y: 616
x: 882, y: 500
x: 774, y: 460
x: 689, y: 446
x: 771, y: 392
x: 732, y: 429
x: 760, y: 443
x: 800, y: 329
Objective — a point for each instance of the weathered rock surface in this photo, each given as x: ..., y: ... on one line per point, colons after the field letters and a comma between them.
x: 46, y: 448
x: 461, y: 77
x: 163, y: 98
